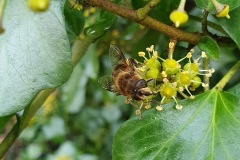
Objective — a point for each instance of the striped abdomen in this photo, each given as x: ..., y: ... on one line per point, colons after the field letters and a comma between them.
x: 124, y: 79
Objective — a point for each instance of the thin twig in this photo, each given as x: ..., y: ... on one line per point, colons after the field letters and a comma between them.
x: 220, y: 85
x: 142, y: 12
x: 149, y: 22
x: 205, y: 23
x: 209, y: 24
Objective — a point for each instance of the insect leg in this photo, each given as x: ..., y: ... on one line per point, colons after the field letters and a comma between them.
x: 138, y: 111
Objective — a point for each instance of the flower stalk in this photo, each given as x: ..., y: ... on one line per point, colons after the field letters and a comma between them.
x: 142, y: 12
x: 221, y: 84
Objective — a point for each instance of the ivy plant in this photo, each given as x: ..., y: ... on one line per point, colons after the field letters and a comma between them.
x: 42, y: 41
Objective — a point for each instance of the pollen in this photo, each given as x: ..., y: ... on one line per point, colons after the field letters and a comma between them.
x: 150, y: 49
x: 164, y: 74
x: 179, y: 107
x: 204, y: 85
x: 203, y: 54
x: 212, y: 70
x: 171, y: 45
x: 189, y: 55
x: 148, y: 106
x: 141, y: 54
x: 159, y: 108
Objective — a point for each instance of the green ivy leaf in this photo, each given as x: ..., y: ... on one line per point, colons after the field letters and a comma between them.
x: 209, y: 46
x: 235, y: 90
x: 34, y: 54
x: 206, y: 128
x: 208, y: 5
x: 231, y: 26
x: 98, y: 29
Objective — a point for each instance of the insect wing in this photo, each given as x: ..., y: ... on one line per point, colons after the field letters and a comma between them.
x: 116, y: 56
x: 133, y: 63
x: 106, y: 83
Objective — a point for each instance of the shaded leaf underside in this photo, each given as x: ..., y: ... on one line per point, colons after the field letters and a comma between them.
x: 34, y: 54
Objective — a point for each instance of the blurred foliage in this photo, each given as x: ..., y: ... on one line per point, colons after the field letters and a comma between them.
x: 80, y: 119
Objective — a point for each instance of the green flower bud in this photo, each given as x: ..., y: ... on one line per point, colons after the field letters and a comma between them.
x: 152, y: 73
x: 191, y: 68
x: 171, y: 66
x: 196, y: 82
x: 183, y: 79
x: 168, y: 90
x: 153, y: 63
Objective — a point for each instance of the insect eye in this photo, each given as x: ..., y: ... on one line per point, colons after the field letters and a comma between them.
x: 140, y: 93
x: 141, y: 83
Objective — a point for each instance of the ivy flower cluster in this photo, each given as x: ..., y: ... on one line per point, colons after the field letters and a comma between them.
x: 170, y: 77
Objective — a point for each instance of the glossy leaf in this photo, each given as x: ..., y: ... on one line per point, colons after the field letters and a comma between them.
x: 34, y: 54
x: 206, y: 128
x: 208, y: 5
x: 231, y: 26
x: 103, y: 24
x: 209, y: 46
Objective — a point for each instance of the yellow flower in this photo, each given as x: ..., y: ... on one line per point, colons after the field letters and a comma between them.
x: 38, y: 5
x: 224, y: 12
x: 178, y: 17
x: 222, y: 9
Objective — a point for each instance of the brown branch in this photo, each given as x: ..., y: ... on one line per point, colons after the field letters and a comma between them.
x: 149, y: 22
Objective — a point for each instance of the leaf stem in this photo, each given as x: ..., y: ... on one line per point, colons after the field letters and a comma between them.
x: 181, y: 5
x: 205, y: 22
x: 9, y: 139
x: 209, y: 24
x: 79, y: 47
x: 149, y: 22
x: 220, y: 85
x: 37, y: 103
x: 142, y: 12
x: 23, y: 123
x: 2, y: 6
